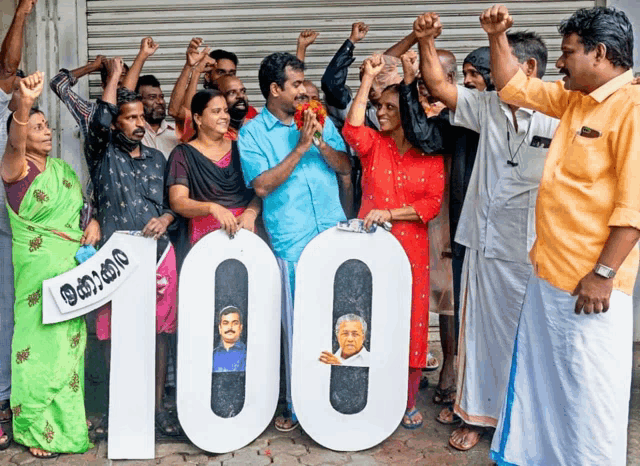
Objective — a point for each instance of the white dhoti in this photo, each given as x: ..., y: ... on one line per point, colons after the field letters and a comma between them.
x: 492, y: 295
x: 568, y: 397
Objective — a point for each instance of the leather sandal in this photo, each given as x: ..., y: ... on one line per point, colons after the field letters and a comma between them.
x: 479, y: 433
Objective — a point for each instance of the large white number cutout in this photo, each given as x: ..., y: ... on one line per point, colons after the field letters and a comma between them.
x: 196, y: 326
x: 313, y: 333
x: 123, y: 272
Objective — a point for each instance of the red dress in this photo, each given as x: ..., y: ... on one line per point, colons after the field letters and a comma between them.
x: 391, y: 180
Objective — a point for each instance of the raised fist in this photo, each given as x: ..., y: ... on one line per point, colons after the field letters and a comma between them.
x: 114, y: 67
x: 496, y: 20
x: 358, y: 32
x: 373, y: 65
x: 307, y: 37
x: 26, y: 6
x: 427, y: 26
x: 194, y: 54
x: 206, y: 64
x: 409, y: 66
x: 148, y: 47
x: 31, y: 86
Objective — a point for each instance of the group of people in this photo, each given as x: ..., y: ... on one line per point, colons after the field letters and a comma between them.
x: 534, y: 178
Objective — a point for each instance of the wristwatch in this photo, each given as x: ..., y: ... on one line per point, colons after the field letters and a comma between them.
x: 604, y: 271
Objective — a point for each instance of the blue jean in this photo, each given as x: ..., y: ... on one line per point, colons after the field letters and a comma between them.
x: 6, y: 314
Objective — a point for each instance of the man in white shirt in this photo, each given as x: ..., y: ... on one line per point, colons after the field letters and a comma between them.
x: 496, y: 226
x: 158, y: 133
x: 10, y: 56
x: 351, y: 331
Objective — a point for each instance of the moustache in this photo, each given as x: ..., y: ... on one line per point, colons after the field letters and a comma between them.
x: 244, y: 103
x: 470, y: 86
x: 138, y: 131
x: 229, y: 332
x: 564, y: 71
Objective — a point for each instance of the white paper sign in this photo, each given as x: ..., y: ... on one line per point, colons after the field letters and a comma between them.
x: 108, y: 276
x: 197, y: 322
x: 388, y: 358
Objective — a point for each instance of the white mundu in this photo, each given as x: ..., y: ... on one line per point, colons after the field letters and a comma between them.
x: 314, y: 329
x: 196, y: 323
x: 123, y: 272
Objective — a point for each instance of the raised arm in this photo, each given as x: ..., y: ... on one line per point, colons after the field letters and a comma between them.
x: 372, y: 67
x: 504, y: 65
x: 426, y: 28
x: 424, y: 133
x: 305, y: 39
x: 334, y: 79
x: 194, y: 56
x: 204, y: 66
x: 11, y: 51
x: 403, y: 46
x: 14, y: 160
x: 147, y: 48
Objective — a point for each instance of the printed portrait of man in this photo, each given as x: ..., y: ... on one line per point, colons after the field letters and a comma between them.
x: 351, y: 332
x: 231, y: 353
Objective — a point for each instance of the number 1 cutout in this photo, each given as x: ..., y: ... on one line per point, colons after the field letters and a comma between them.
x: 123, y: 272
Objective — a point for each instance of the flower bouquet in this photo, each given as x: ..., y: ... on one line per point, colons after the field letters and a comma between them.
x: 321, y: 114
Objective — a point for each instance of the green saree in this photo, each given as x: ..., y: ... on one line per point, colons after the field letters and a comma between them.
x: 47, y: 361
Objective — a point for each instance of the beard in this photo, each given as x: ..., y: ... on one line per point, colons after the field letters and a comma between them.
x: 155, y: 115
x: 238, y: 111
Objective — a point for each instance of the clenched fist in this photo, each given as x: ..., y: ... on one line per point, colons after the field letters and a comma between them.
x: 427, y: 26
x: 496, y: 20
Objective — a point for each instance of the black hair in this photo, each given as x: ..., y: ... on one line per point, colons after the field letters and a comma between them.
x: 526, y: 45
x: 220, y: 54
x: 147, y: 80
x: 104, y: 73
x: 126, y: 96
x: 33, y: 111
x: 230, y: 310
x: 200, y: 102
x: 392, y: 88
x: 601, y: 25
x: 272, y: 70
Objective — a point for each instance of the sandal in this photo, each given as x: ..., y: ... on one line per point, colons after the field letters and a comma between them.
x: 411, y: 424
x: 444, y: 396
x: 6, y: 444
x: 48, y: 456
x: 435, y: 364
x: 5, y: 412
x: 101, y: 428
x: 448, y: 421
x: 287, y: 421
x: 167, y: 424
x: 469, y: 430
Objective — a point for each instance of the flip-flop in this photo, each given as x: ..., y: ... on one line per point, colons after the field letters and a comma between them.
x: 455, y: 419
x: 9, y: 435
x: 49, y: 456
x: 288, y: 415
x: 434, y: 367
x: 461, y: 448
x: 440, y: 396
x: 410, y: 415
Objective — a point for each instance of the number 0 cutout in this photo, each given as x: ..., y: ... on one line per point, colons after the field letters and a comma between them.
x: 108, y: 276
x: 203, y: 294
x: 322, y: 291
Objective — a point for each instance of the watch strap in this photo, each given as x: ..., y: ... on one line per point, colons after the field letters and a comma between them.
x: 604, y: 271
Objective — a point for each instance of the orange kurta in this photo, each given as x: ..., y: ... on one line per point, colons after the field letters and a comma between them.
x: 391, y: 180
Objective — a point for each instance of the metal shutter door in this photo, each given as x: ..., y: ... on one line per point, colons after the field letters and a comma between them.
x: 255, y: 28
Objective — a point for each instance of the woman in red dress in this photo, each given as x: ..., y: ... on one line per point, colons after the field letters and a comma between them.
x: 403, y: 186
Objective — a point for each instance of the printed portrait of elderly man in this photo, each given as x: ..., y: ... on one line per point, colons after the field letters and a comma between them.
x: 231, y: 353
x: 351, y: 331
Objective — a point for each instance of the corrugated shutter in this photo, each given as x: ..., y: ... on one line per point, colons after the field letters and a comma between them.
x: 255, y: 28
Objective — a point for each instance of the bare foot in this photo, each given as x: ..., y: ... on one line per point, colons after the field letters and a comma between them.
x: 285, y: 424
x: 39, y: 453
x: 465, y: 438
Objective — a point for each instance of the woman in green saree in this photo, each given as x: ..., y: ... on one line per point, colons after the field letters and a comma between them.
x: 44, y: 198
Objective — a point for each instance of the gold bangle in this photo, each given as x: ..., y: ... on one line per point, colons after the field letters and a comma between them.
x: 18, y: 122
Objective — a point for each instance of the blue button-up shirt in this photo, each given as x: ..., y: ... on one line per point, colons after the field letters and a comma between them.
x: 233, y: 359
x: 308, y: 202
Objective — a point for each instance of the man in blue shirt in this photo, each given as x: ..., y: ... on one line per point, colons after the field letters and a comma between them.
x: 231, y: 354
x: 296, y: 178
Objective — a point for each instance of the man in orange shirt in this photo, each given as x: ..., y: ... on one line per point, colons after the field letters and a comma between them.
x: 568, y: 396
